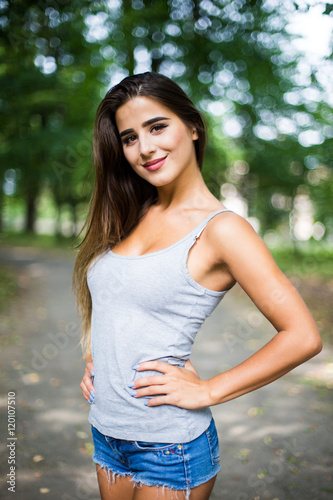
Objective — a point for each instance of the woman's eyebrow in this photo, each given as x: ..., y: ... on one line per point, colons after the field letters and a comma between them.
x: 144, y: 124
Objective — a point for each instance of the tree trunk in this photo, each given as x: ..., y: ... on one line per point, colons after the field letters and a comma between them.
x: 129, y: 42
x: 1, y: 210
x: 156, y: 61
x: 30, y: 210
x: 74, y: 215
x: 58, y: 232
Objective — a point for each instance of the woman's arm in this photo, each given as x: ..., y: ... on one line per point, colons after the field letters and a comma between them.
x: 297, y: 340
x: 249, y: 262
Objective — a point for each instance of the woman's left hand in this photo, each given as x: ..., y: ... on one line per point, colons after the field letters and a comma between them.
x: 180, y: 387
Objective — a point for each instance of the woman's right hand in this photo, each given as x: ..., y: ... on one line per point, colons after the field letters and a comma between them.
x: 86, y: 385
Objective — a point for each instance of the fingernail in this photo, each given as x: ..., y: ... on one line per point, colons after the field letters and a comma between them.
x: 92, y: 373
x: 146, y: 403
x: 90, y: 402
x: 131, y: 384
x: 135, y: 367
x: 132, y: 393
x: 92, y: 394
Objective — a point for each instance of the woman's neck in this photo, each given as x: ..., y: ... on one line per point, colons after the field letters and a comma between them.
x: 185, y: 192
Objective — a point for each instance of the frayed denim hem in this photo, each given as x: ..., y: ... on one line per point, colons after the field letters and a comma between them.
x: 111, y: 475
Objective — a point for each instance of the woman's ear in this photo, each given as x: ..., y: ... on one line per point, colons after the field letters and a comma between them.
x: 195, y: 134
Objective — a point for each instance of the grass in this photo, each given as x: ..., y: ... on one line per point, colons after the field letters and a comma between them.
x: 42, y: 241
x: 305, y: 261
x: 8, y: 287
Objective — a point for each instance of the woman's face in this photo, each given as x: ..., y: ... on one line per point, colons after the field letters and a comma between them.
x: 156, y: 143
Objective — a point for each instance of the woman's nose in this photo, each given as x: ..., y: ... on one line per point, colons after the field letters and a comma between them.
x: 146, y: 146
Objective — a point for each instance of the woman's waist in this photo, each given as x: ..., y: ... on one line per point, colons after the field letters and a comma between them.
x: 122, y: 357
x: 164, y: 423
x: 117, y: 372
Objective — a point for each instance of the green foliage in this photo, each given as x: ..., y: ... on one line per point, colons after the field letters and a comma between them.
x: 234, y: 58
x: 305, y: 261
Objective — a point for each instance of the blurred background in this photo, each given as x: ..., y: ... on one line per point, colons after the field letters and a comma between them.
x: 261, y: 74
x: 260, y: 71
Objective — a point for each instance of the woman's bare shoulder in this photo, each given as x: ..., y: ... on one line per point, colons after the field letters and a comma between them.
x: 228, y: 222
x: 231, y: 233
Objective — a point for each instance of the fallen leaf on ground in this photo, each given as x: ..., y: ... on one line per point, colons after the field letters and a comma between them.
x: 82, y: 435
x: 255, y: 411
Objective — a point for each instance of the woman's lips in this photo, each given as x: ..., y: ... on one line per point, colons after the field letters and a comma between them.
x: 155, y: 164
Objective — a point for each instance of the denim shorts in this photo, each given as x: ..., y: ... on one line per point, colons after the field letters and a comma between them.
x: 178, y: 466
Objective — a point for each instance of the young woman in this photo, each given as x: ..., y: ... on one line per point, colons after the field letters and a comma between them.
x: 159, y: 253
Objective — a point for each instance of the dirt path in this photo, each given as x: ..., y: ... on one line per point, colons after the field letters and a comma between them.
x: 276, y: 443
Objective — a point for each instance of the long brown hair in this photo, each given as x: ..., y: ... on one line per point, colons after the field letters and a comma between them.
x: 120, y: 197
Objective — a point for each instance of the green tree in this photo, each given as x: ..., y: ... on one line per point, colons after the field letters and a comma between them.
x: 49, y: 81
x: 265, y: 105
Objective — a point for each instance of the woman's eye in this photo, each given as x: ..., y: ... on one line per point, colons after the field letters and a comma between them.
x: 158, y: 128
x: 129, y: 139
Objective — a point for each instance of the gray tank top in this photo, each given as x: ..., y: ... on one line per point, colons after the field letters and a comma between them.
x: 145, y: 308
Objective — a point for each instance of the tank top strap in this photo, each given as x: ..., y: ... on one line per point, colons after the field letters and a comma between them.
x: 205, y: 222
x: 196, y: 233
